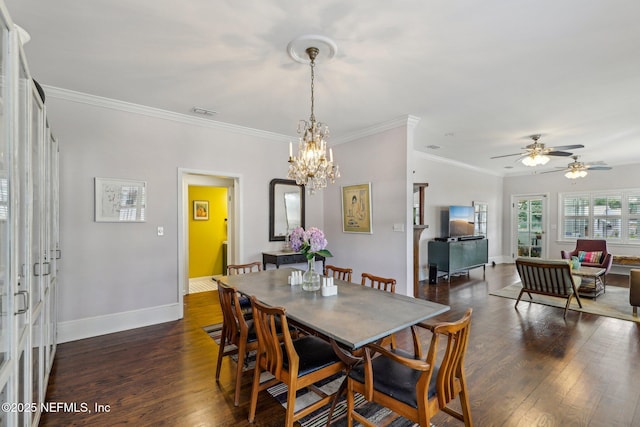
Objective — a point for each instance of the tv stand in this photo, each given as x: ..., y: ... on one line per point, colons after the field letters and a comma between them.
x: 458, y: 256
x: 470, y: 237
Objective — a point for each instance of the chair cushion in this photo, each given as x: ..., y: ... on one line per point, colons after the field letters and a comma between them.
x: 244, y: 302
x: 252, y: 335
x: 590, y: 257
x: 395, y: 379
x: 314, y: 354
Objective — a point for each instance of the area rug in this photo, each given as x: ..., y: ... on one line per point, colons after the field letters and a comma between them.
x: 613, y: 303
x: 215, y: 332
x: 304, y: 398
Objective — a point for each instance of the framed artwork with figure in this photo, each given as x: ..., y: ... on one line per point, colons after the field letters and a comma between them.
x: 200, y: 210
x: 356, y: 209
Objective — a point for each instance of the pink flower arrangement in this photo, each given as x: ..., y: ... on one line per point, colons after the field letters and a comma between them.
x: 310, y: 242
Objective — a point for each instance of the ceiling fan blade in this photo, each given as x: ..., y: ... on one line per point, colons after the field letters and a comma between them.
x: 566, y: 147
x: 506, y: 155
x: 599, y: 168
x: 557, y: 170
x: 559, y: 153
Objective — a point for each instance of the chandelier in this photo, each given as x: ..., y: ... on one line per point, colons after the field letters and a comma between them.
x: 311, y: 167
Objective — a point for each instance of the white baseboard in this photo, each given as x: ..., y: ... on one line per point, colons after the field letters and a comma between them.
x: 100, y: 325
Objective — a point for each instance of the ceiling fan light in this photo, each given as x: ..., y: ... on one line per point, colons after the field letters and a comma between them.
x: 535, y: 160
x: 574, y: 174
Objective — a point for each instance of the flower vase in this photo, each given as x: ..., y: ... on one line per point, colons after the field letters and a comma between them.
x: 311, y: 279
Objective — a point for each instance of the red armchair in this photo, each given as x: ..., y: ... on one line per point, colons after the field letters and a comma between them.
x: 587, y: 245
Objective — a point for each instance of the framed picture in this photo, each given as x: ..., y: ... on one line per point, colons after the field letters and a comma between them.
x: 120, y: 200
x: 200, y: 210
x: 356, y: 208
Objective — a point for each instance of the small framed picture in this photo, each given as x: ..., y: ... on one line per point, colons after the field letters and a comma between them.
x: 200, y: 210
x: 356, y: 209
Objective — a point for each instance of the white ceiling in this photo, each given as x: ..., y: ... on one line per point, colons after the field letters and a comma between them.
x: 480, y: 75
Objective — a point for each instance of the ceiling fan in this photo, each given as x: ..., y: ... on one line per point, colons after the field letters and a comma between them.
x: 538, y: 154
x: 578, y: 169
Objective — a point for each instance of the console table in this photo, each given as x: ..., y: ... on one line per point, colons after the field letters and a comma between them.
x: 279, y: 258
x: 456, y: 256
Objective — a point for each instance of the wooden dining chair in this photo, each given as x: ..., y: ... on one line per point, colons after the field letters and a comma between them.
x: 244, y: 268
x: 238, y: 335
x: 384, y: 284
x: 414, y: 386
x: 339, y: 273
x: 298, y: 363
x: 378, y: 282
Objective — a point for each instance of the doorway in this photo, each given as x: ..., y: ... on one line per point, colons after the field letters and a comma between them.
x: 529, y: 219
x: 189, y: 177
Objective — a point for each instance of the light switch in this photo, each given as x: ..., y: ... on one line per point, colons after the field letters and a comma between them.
x: 398, y: 227
x: 160, y: 231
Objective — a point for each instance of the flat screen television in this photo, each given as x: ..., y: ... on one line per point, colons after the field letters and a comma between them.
x: 461, y: 221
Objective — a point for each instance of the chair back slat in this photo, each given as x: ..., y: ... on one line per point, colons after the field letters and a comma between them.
x: 233, y: 269
x: 378, y: 282
x: 452, y: 365
x: 339, y: 273
x: 230, y: 323
x: 272, y: 329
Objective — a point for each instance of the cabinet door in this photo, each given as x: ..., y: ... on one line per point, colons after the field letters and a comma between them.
x: 7, y: 365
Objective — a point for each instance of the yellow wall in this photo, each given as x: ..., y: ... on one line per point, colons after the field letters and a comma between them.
x: 206, y: 237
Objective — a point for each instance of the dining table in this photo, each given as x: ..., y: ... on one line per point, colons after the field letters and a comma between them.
x: 353, y: 317
x: 356, y: 316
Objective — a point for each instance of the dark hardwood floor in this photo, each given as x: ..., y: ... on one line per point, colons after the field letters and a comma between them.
x: 525, y: 367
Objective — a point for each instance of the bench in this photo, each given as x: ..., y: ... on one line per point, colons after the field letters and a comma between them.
x: 548, y: 277
x: 626, y: 260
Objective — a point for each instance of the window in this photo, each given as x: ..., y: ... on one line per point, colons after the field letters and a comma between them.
x: 575, y: 216
x: 633, y: 212
x: 613, y: 216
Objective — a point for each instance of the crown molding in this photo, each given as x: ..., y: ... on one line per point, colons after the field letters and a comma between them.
x: 456, y: 163
x: 409, y: 121
x: 113, y: 104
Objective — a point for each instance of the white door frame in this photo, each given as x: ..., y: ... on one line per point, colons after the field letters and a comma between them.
x: 188, y: 177
x: 514, y: 222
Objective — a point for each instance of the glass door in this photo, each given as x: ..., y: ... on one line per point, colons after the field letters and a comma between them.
x: 529, y: 217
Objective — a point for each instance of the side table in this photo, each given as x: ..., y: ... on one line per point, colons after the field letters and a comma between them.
x: 594, y: 288
x: 279, y: 258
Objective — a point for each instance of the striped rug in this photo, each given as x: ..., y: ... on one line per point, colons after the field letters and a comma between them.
x: 372, y: 411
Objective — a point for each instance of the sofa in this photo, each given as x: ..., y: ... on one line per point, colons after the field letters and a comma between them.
x: 548, y: 277
x: 634, y: 290
x: 592, y: 253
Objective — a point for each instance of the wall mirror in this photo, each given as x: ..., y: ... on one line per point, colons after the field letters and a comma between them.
x: 286, y: 208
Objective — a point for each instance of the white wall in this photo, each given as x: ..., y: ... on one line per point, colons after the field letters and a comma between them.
x: 620, y: 177
x: 381, y: 160
x: 120, y: 276
x: 452, y: 183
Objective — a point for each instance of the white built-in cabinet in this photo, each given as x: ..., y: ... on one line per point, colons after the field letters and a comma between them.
x: 29, y: 237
